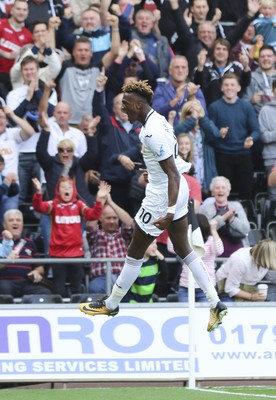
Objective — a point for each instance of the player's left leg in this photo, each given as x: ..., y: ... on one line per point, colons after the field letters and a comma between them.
x: 178, y: 234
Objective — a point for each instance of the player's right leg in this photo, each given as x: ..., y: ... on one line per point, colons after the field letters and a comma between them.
x: 133, y: 262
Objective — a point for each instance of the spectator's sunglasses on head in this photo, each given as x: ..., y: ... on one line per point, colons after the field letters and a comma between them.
x: 65, y: 149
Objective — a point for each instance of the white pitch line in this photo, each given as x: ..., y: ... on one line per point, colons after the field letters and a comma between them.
x: 265, y: 396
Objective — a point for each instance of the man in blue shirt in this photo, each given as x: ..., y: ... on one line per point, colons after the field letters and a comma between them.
x: 177, y: 90
x: 239, y: 129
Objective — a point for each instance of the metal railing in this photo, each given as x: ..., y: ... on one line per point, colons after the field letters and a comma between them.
x: 107, y: 261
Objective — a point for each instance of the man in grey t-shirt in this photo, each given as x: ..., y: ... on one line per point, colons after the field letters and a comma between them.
x: 78, y: 78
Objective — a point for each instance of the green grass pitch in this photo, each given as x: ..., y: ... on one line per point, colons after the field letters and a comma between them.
x: 140, y: 393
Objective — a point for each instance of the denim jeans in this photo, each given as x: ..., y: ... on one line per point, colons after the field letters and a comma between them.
x: 19, y: 287
x: 199, y: 296
x: 45, y: 229
x: 183, y: 295
x: 98, y: 284
x: 28, y: 168
x: 6, y: 204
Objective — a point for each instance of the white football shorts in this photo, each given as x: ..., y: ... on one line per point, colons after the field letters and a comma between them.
x: 155, y: 205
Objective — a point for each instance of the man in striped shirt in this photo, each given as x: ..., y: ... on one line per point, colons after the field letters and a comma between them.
x: 110, y: 239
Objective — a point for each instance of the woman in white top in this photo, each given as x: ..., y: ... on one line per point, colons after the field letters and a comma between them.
x: 245, y: 268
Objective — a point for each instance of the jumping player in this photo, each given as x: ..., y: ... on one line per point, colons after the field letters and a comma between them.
x: 164, y: 206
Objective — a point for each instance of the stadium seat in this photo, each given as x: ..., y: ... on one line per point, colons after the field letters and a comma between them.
x: 42, y: 298
x: 259, y: 202
x: 251, y: 213
x: 269, y: 212
x: 271, y: 230
x: 38, y: 239
x: 255, y: 235
x: 155, y: 298
x: 259, y: 182
x: 85, y: 297
x: 6, y: 299
x: 233, y: 196
x: 172, y: 298
x: 31, y: 218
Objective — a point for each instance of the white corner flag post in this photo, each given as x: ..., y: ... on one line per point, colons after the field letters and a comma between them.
x: 191, y: 304
x: 197, y: 244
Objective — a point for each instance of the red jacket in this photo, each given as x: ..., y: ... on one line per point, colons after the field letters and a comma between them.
x: 66, y: 230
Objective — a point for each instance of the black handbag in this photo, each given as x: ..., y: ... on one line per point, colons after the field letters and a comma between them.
x: 228, y: 232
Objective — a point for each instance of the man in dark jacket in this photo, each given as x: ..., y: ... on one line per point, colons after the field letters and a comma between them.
x: 208, y: 75
x: 119, y: 145
x: 192, y: 44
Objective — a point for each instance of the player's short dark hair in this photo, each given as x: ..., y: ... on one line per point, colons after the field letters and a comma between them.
x: 141, y: 89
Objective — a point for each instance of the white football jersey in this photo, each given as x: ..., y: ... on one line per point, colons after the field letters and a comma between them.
x: 158, y: 144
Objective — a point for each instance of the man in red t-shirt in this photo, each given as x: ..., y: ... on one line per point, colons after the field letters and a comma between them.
x: 13, y: 36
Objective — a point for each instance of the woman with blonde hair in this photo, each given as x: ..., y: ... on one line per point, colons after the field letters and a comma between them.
x: 186, y: 152
x: 246, y: 267
x: 185, y: 147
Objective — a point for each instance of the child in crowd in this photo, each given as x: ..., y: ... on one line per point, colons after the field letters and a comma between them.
x: 213, y: 248
x: 186, y: 152
x: 154, y: 267
x: 7, y: 244
x: 66, y: 212
x: 265, y: 24
x: 185, y: 147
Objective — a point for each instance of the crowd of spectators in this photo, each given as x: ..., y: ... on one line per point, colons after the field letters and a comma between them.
x: 211, y: 65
